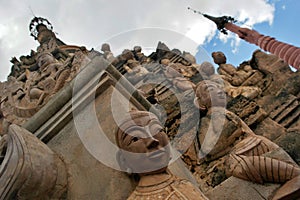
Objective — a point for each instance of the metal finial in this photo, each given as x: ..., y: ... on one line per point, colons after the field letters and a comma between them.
x: 219, y: 21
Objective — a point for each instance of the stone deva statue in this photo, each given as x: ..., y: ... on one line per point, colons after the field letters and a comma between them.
x: 235, y: 80
x: 224, y: 134
x: 48, y: 80
x: 145, y: 150
x: 29, y: 169
x: 179, y: 77
x: 105, y: 48
x: 53, y: 73
x: 206, y: 70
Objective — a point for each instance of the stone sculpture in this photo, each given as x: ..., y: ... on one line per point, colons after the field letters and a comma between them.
x: 244, y: 149
x: 144, y: 149
x: 206, y: 70
x: 178, y: 75
x: 105, y: 48
x: 235, y: 79
x: 29, y: 169
x: 137, y: 51
x: 39, y: 85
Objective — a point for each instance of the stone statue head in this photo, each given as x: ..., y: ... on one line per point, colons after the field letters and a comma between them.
x: 137, y: 49
x: 208, y: 94
x: 207, y: 68
x: 127, y: 54
x: 165, y: 61
x: 219, y: 57
x: 144, y: 146
x: 105, y: 47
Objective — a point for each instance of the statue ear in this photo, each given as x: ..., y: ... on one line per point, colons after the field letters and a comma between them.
x: 199, y: 106
x: 122, y: 161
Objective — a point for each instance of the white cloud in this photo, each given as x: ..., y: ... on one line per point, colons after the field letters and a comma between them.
x: 91, y: 22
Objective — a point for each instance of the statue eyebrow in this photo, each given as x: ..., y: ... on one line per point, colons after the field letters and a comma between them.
x: 210, y: 86
x: 126, y: 132
x: 124, y: 136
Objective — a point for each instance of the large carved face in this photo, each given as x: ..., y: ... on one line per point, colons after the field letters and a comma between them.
x: 209, y: 94
x: 143, y: 143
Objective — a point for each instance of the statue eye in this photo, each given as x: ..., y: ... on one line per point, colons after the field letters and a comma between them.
x: 133, y: 140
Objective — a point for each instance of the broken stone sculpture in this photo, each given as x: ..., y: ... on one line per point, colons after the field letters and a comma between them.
x: 243, y: 149
x: 144, y: 149
x: 235, y: 79
x: 40, y: 85
x: 206, y: 70
x: 139, y: 55
x: 177, y: 74
x: 107, y: 52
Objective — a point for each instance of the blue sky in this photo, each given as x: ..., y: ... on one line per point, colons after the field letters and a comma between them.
x: 92, y: 22
x: 284, y: 28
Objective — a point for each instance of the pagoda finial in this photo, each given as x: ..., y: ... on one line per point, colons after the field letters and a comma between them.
x: 219, y: 21
x: 289, y: 53
x: 35, y: 23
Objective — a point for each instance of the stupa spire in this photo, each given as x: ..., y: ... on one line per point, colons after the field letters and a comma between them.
x: 289, y: 53
x: 42, y: 30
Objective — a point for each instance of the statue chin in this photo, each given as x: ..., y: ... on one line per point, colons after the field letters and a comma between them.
x: 154, y: 172
x: 145, y: 168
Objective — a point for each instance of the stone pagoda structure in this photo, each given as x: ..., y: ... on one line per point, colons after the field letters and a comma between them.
x: 62, y: 105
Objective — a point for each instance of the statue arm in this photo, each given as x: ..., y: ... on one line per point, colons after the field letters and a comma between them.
x: 261, y: 169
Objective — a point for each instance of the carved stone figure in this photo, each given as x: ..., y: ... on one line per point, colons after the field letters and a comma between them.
x: 224, y: 133
x: 165, y: 62
x: 107, y: 52
x: 236, y: 81
x: 16, y: 69
x: 27, y: 98
x: 233, y: 75
x: 219, y: 57
x: 177, y: 74
x: 189, y: 57
x: 144, y: 149
x: 1, y: 122
x: 135, y: 71
x: 53, y: 73
x: 28, y: 168
x: 206, y: 70
x: 137, y: 51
